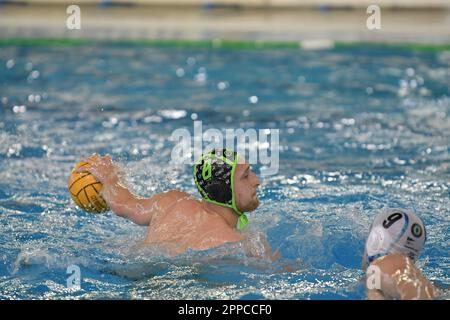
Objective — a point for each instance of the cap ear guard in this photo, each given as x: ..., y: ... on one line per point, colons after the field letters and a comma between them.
x: 378, y: 243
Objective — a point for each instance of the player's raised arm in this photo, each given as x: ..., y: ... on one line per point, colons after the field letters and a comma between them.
x: 120, y: 199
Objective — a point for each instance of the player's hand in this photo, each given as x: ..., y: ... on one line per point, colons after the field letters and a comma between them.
x: 102, y: 168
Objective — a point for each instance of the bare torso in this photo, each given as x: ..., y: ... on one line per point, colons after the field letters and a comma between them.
x: 188, y: 224
x: 399, y: 278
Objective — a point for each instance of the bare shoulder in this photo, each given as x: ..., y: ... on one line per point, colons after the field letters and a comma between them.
x: 174, y: 195
x: 183, y: 200
x: 229, y: 234
x: 392, y: 263
x: 208, y: 224
x: 404, y: 280
x: 165, y: 200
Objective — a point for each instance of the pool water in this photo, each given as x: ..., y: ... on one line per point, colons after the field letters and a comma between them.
x: 361, y: 128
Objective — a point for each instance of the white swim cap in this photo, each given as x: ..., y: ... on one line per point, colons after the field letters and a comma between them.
x: 395, y: 231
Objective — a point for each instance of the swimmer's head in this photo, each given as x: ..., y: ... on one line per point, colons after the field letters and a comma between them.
x: 395, y: 231
x: 224, y: 179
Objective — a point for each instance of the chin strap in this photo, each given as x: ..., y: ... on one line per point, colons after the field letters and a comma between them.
x: 243, y: 221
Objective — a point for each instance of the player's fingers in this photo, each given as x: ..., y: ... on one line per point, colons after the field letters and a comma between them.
x: 82, y: 169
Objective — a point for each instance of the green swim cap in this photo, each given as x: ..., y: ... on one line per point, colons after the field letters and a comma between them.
x: 214, y: 178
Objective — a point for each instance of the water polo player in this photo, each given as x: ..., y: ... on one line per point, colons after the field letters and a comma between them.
x: 395, y: 241
x: 177, y: 221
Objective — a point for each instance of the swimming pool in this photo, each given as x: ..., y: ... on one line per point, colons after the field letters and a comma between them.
x: 361, y: 127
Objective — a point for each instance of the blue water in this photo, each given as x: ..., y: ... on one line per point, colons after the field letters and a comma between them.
x: 360, y: 128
